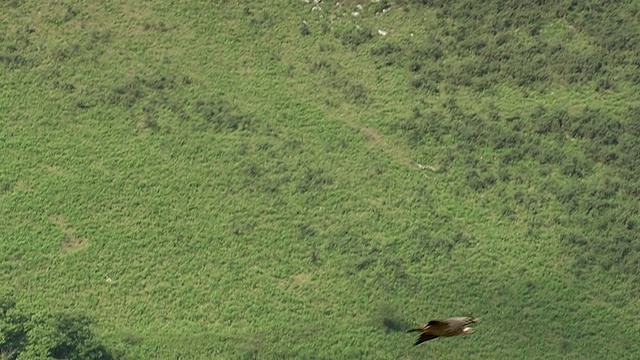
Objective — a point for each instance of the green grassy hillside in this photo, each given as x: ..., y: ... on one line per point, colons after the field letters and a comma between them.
x: 281, y: 180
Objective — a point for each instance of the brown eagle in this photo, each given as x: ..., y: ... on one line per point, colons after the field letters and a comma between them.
x: 448, y: 327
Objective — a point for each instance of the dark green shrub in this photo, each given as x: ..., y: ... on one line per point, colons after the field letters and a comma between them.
x: 57, y: 336
x: 314, y: 180
x: 574, y: 166
x: 354, y: 37
x: 304, y: 29
x: 221, y: 115
x: 390, y: 53
x: 127, y: 94
x: 356, y: 94
x: 425, y: 84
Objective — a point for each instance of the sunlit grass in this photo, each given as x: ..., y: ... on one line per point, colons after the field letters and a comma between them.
x: 215, y: 181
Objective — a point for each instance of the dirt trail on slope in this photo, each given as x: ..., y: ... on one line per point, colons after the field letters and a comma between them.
x: 375, y: 139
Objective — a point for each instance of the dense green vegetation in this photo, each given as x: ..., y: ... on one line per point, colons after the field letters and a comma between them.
x: 275, y: 180
x: 37, y: 336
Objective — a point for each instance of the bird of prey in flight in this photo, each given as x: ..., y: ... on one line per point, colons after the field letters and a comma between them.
x: 448, y: 327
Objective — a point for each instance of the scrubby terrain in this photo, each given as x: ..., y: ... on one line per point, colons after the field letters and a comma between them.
x: 291, y: 179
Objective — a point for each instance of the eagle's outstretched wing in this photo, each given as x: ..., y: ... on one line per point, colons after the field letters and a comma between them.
x: 424, y: 337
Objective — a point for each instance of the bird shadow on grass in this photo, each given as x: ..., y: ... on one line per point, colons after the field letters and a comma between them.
x: 389, y: 320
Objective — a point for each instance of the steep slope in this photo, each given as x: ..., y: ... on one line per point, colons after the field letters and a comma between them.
x: 242, y: 180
